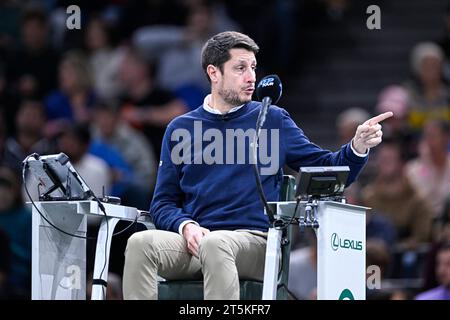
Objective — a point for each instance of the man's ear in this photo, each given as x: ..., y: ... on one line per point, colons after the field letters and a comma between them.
x: 213, y: 73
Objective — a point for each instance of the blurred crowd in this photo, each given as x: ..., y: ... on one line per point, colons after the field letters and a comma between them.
x: 406, y: 185
x: 104, y: 95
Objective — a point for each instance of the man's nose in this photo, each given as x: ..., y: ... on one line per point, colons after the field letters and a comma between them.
x: 250, y: 76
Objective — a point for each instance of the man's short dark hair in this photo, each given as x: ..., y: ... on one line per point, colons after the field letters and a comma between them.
x: 216, y: 51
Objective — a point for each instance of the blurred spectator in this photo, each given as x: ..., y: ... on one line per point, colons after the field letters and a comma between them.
x: 74, y: 141
x: 221, y: 18
x: 391, y: 194
x: 121, y: 173
x: 173, y: 48
x: 336, y: 9
x: 430, y: 172
x: 9, y: 28
x: 72, y: 102
x: 286, y: 15
x: 332, y: 20
x: 303, y: 270
x: 401, y: 294
x: 8, y: 101
x: 34, y: 64
x: 7, y: 158
x: 137, y: 13
x: 134, y: 147
x: 377, y: 225
x: 29, y: 137
x: 104, y: 59
x: 63, y: 38
x: 15, y: 220
x: 176, y: 51
x: 443, y: 224
x: 144, y: 104
x: 377, y: 254
x: 381, y: 228
x: 347, y: 122
x: 441, y: 237
x: 442, y: 292
x: 390, y: 294
x: 429, y: 95
x: 395, y: 98
x: 123, y: 177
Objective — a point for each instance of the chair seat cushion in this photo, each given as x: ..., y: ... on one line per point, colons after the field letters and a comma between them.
x: 193, y: 290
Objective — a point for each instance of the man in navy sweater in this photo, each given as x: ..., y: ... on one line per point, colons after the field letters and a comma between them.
x: 209, y: 219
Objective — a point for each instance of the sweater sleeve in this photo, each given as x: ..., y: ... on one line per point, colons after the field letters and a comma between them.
x: 301, y: 152
x: 166, y: 207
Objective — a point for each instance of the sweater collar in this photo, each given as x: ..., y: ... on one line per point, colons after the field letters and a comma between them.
x: 213, y: 114
x: 206, y: 106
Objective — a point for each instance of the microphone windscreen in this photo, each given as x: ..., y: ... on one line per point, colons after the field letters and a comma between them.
x: 270, y: 86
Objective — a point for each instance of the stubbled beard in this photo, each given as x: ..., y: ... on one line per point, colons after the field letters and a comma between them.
x: 231, y: 97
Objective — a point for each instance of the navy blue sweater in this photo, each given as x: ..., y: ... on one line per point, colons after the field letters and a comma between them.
x: 222, y: 195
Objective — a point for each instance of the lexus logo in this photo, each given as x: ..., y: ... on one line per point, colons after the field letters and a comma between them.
x: 334, y: 241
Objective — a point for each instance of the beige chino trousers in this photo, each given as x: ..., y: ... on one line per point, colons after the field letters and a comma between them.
x: 224, y: 258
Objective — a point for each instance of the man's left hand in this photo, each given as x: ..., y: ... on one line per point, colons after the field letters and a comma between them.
x: 368, y: 134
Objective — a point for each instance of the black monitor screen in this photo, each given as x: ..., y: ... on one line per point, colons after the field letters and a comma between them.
x: 321, y: 181
x: 57, y: 179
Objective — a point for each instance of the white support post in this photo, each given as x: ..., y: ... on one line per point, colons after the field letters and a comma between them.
x: 272, y: 264
x: 101, y: 264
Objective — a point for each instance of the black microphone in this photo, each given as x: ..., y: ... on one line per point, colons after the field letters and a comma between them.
x: 269, y: 91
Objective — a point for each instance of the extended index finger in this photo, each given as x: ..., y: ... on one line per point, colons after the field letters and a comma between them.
x: 379, y: 118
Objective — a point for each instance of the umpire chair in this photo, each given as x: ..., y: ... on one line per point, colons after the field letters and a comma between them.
x: 249, y: 289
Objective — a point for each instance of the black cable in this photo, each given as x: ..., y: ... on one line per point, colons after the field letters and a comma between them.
x: 262, y: 195
x: 134, y: 222
x: 259, y: 186
x: 291, y: 220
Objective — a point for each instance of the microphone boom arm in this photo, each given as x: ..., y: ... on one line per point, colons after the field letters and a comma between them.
x: 259, y: 123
